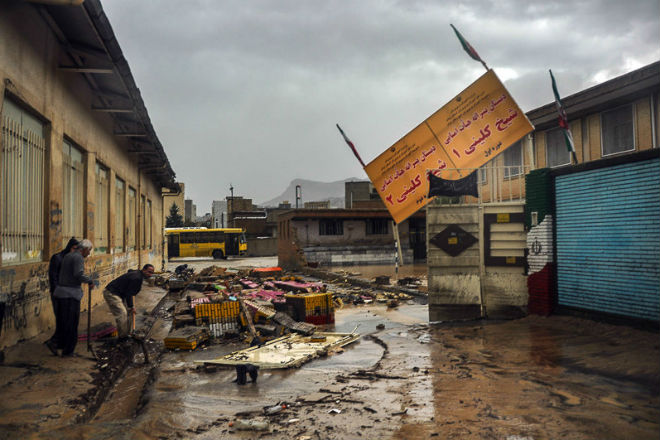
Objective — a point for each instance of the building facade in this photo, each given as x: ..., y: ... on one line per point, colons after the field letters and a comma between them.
x: 508, y: 254
x: 79, y: 158
x: 219, y: 213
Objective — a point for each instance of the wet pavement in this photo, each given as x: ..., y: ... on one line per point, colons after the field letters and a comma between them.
x: 533, y: 378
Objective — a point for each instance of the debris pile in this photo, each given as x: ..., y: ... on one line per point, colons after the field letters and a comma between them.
x: 257, y: 305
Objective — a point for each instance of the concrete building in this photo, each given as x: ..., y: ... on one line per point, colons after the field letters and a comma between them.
x: 323, y: 204
x: 362, y: 194
x: 189, y: 211
x: 219, y: 213
x: 549, y: 233
x: 79, y: 158
x: 236, y: 204
x: 344, y: 237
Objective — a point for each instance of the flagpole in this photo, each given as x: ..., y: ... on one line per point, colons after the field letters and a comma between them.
x: 351, y: 146
x: 467, y: 47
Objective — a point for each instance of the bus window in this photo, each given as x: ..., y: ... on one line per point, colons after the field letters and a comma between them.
x: 187, y: 237
x: 204, y: 237
x: 217, y: 237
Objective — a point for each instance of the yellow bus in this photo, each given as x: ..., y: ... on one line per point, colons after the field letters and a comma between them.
x: 203, y: 242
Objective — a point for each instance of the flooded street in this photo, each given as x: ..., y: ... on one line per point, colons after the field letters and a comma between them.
x: 532, y: 378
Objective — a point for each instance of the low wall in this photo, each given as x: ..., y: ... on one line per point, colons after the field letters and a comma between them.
x: 354, y: 255
x: 262, y: 247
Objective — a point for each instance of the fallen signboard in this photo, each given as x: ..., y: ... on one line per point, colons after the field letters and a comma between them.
x: 290, y: 351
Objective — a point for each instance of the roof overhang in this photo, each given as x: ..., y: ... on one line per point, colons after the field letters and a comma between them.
x: 92, y: 50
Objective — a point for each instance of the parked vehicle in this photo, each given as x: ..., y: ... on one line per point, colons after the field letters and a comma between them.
x: 216, y: 243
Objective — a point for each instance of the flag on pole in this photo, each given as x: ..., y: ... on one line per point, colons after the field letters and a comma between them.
x: 563, y: 120
x: 468, y: 47
x: 350, y: 144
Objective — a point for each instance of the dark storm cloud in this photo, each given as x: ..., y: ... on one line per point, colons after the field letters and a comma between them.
x: 248, y: 92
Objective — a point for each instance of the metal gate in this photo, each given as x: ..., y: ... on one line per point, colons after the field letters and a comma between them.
x: 608, y: 239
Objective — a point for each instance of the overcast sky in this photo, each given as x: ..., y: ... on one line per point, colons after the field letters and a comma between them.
x: 249, y: 92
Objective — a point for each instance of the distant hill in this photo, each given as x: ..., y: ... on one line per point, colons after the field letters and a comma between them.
x: 312, y: 191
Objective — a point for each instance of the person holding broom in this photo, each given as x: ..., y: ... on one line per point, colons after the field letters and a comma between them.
x: 119, y: 295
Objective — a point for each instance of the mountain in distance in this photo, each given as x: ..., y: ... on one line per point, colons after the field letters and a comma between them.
x: 312, y: 191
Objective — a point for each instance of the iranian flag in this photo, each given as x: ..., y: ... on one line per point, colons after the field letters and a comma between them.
x: 563, y: 119
x: 468, y: 47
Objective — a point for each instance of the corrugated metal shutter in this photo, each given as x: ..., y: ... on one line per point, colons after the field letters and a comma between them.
x: 608, y: 239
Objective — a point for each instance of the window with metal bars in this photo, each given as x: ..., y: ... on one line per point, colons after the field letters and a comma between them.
x: 143, y: 222
x: 331, y: 227
x: 73, y: 175
x: 120, y: 202
x: 101, y: 217
x: 148, y: 223
x: 130, y: 226
x: 22, y: 186
x: 376, y: 226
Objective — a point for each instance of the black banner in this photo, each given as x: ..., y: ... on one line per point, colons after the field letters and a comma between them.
x: 467, y: 186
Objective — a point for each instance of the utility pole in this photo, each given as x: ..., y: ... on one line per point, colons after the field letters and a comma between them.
x: 231, y: 189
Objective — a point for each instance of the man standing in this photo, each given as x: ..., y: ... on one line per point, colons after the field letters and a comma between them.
x: 53, y: 278
x: 69, y: 293
x: 119, y: 295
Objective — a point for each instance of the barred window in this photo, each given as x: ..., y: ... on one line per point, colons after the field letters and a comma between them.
x: 130, y: 227
x: 148, y: 223
x: 143, y: 222
x: 101, y: 218
x: 376, y: 226
x: 22, y: 186
x: 120, y: 225
x: 331, y: 227
x: 73, y: 178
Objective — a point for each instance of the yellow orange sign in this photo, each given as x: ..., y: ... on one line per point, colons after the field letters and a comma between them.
x: 477, y: 125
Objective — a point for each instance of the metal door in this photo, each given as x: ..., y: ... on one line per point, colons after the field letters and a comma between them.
x: 608, y: 239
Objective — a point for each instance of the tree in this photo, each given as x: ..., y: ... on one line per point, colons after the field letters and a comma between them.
x: 174, y: 220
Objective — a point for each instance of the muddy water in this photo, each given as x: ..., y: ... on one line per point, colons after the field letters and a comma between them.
x: 185, y: 396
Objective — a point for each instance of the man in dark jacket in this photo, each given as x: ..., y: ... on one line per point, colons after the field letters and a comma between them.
x: 119, y: 295
x: 69, y: 293
x: 53, y: 281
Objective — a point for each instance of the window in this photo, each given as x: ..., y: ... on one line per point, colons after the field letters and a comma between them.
x: 143, y: 222
x: 120, y: 225
x: 331, y: 227
x: 21, y: 185
x: 130, y: 227
x: 148, y: 222
x: 481, y: 176
x: 513, y: 160
x: 557, y: 153
x: 101, y: 217
x: 187, y: 237
x: 376, y: 226
x: 73, y: 178
x: 617, y: 130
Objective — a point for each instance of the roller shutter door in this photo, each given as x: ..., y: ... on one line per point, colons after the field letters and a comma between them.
x: 608, y: 240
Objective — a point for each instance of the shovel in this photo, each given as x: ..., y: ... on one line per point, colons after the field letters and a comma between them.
x: 89, y: 320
